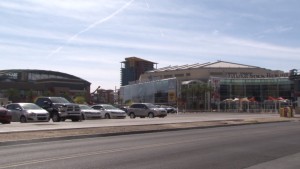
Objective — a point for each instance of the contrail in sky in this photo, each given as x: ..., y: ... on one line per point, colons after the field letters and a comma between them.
x: 91, y: 26
x: 147, y: 3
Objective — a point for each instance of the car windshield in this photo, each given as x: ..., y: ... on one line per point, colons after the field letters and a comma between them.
x: 59, y: 100
x: 30, y: 106
x: 107, y: 107
x: 149, y: 105
x: 85, y: 107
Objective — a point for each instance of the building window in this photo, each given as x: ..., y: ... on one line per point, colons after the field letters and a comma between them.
x: 216, y: 73
x: 179, y: 75
x: 168, y: 76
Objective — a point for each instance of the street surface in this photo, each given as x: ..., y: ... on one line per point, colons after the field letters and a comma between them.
x: 270, y: 146
x: 171, y: 118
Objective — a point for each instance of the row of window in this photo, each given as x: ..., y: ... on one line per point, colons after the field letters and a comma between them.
x: 40, y: 76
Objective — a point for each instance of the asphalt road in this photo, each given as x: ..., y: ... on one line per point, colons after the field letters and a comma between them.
x: 275, y: 145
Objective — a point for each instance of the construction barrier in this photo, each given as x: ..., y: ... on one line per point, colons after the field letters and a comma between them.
x: 286, y: 112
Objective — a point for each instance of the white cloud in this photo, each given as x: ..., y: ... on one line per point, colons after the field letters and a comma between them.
x: 279, y: 29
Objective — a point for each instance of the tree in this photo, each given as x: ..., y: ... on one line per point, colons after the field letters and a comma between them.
x: 194, y: 94
x: 79, y: 100
x: 13, y: 95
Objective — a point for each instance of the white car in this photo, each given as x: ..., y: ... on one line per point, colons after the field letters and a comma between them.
x: 110, y: 111
x: 25, y: 112
x: 90, y: 113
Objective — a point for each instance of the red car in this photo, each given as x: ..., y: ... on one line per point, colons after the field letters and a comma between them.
x: 5, y: 116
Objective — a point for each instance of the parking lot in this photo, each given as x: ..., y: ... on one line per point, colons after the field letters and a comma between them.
x: 171, y: 118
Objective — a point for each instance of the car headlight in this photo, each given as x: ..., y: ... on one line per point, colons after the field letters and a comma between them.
x: 62, y: 109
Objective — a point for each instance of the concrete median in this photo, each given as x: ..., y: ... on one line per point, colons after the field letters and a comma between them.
x: 18, y: 137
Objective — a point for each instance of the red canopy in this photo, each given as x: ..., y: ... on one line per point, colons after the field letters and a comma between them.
x: 271, y: 98
x: 252, y: 99
x: 280, y: 98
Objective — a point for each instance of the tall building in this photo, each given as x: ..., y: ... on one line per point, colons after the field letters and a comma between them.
x: 132, y: 68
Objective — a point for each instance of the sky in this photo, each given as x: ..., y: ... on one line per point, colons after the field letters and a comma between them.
x: 90, y: 38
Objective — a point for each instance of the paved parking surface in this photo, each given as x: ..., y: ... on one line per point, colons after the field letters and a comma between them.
x: 171, y: 118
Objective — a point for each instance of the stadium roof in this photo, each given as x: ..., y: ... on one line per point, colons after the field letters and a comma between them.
x: 69, y: 76
x: 218, y: 64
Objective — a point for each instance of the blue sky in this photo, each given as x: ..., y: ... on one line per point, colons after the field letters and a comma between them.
x: 89, y: 38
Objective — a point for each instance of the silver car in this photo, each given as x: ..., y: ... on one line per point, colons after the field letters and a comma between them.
x: 110, y: 111
x: 25, y: 112
x: 146, y: 110
x: 90, y: 113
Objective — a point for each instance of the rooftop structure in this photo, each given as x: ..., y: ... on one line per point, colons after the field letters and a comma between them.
x: 203, y: 71
x: 218, y: 64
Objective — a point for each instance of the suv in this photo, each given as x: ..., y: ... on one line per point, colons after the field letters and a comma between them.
x: 60, y: 108
x: 145, y: 110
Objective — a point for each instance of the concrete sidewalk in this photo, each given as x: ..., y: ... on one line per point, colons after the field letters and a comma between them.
x: 133, y: 126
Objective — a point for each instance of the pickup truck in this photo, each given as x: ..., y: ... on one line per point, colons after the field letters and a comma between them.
x: 60, y: 108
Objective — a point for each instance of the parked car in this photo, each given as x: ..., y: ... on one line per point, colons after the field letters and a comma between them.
x: 5, y: 116
x: 169, y: 109
x: 89, y: 113
x: 124, y: 108
x: 60, y: 108
x: 25, y: 112
x: 110, y: 111
x: 145, y: 110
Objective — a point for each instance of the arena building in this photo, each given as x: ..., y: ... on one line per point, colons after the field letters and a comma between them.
x: 212, y: 86
x: 205, y: 71
x: 24, y: 85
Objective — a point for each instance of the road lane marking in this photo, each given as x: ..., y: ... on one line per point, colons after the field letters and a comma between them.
x: 31, y: 162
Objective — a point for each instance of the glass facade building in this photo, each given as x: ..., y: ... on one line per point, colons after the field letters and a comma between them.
x: 159, y: 92
x: 260, y: 89
x: 251, y: 95
x: 244, y: 94
x: 214, y: 83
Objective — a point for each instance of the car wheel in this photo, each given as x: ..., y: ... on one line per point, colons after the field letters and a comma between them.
x: 75, y: 119
x: 132, y: 115
x: 23, y: 119
x: 107, y: 116
x: 151, y: 115
x: 55, y: 117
